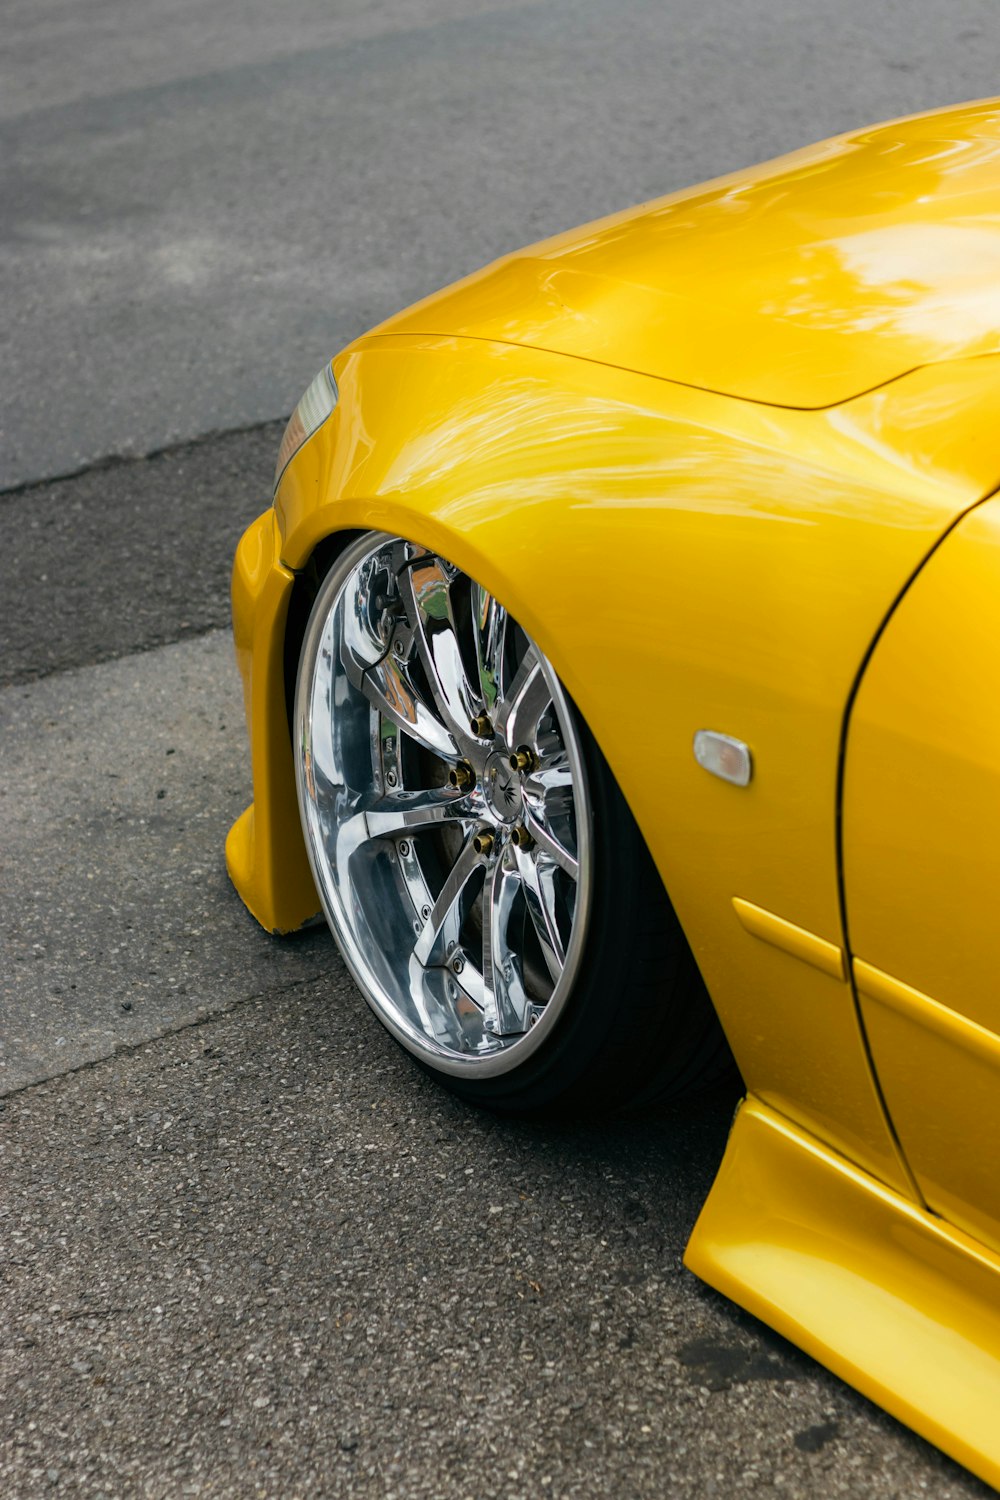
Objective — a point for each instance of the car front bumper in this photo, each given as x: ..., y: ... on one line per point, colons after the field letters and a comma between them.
x: 265, y: 854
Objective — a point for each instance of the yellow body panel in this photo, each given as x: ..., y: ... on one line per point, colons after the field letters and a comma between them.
x: 890, y: 1298
x: 922, y: 871
x: 706, y: 579
x: 265, y: 854
x: 782, y: 396
x: 801, y: 282
x: 826, y: 957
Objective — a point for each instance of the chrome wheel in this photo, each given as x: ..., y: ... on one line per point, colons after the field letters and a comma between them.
x: 445, y: 806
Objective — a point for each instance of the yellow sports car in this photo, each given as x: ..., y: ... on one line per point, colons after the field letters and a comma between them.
x: 620, y: 656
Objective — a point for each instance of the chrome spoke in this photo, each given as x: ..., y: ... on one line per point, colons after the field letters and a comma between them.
x: 368, y: 625
x: 426, y: 591
x: 489, y: 621
x: 527, y: 698
x: 506, y: 1003
x: 403, y: 813
x: 411, y: 812
x: 441, y: 929
x: 390, y: 692
x: 552, y: 777
x: 538, y: 879
x: 549, y: 844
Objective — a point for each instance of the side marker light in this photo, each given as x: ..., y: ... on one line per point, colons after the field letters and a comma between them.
x: 723, y: 756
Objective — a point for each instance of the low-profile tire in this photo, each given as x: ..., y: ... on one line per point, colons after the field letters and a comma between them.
x: 476, y: 860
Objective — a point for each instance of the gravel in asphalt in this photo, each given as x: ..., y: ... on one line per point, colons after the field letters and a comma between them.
x: 127, y: 554
x: 250, y: 1250
x: 201, y: 203
x: 247, y: 1248
x: 265, y: 1256
x: 117, y: 919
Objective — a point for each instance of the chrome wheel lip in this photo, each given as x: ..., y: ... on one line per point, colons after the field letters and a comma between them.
x: 510, y: 1052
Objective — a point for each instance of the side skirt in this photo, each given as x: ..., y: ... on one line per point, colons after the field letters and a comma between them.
x: 892, y: 1299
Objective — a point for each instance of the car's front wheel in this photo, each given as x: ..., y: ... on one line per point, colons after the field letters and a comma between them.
x: 476, y: 860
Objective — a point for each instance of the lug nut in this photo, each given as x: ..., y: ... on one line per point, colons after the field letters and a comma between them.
x: 523, y: 759
x: 520, y: 837
x: 482, y: 842
x: 462, y: 776
x: 481, y: 726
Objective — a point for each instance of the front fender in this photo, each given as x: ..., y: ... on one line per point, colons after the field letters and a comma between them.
x: 686, y: 561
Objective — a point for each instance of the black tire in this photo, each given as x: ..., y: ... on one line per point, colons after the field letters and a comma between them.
x: 640, y: 1028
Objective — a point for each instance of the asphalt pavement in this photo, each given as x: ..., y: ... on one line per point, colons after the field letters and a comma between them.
x: 248, y: 1249
x: 264, y: 1256
x: 201, y: 203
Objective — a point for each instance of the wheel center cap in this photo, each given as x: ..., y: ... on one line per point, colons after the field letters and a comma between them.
x: 502, y: 787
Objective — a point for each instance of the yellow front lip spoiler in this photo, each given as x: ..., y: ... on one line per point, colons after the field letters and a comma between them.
x: 890, y: 1298
x: 265, y: 854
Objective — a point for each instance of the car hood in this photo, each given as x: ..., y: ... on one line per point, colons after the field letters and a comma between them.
x: 801, y: 282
